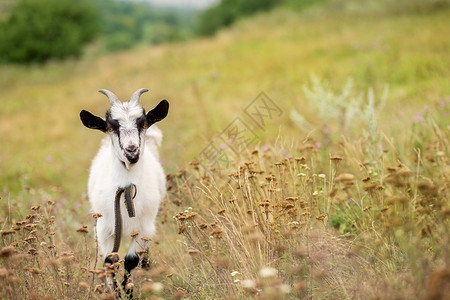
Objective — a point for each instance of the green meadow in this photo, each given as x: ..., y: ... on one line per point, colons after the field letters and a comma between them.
x: 343, y: 193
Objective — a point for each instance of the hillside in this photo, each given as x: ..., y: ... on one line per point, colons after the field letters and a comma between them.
x: 275, y: 53
x: 298, y: 60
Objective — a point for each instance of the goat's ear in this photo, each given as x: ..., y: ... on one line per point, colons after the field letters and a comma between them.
x: 91, y: 121
x: 158, y: 113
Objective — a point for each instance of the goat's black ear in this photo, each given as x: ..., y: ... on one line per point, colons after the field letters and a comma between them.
x: 91, y: 121
x: 158, y: 113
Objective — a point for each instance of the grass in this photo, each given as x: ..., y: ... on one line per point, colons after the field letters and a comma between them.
x: 319, y: 205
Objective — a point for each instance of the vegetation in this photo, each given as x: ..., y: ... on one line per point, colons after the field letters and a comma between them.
x: 342, y: 194
x: 127, y: 24
x: 36, y: 31
x: 226, y: 12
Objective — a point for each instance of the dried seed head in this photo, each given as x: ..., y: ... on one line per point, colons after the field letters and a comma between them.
x: 336, y: 158
x: 83, y: 229
x: 397, y: 199
x: 322, y: 216
x: 345, y: 177
x: 97, y: 215
x: 264, y: 203
x: 190, y: 215
x: 367, y: 208
x: 370, y: 186
x: 301, y: 159
x: 180, y: 293
x: 292, y: 198
x: 217, y: 233
x: 7, y: 232
x: 193, y: 252
x: 99, y: 288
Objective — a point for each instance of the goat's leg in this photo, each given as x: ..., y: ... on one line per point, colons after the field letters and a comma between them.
x: 106, y: 242
x: 110, y: 278
x: 131, y: 262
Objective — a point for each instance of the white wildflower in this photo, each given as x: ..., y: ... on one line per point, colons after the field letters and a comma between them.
x: 267, y: 272
x: 285, y: 288
x: 248, y: 284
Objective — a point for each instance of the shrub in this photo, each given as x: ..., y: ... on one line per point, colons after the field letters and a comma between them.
x: 37, y: 31
x: 226, y: 12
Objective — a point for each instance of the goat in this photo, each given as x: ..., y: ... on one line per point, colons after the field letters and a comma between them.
x: 127, y: 162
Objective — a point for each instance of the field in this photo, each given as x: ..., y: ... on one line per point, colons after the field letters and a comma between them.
x: 338, y: 187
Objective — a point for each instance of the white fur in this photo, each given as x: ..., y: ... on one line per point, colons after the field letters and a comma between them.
x: 108, y: 173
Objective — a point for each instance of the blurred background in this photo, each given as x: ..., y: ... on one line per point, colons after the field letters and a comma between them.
x: 339, y: 181
x: 210, y: 59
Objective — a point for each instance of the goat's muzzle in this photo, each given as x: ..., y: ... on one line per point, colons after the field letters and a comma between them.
x: 132, y: 154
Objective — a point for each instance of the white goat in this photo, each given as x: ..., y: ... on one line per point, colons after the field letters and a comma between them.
x: 127, y: 162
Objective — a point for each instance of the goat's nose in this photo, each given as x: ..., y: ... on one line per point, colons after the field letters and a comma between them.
x: 131, y: 149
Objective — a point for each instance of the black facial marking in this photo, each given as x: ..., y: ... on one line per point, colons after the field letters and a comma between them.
x: 141, y: 122
x: 112, y: 123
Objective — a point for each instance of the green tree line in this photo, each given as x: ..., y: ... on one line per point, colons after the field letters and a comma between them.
x: 39, y: 30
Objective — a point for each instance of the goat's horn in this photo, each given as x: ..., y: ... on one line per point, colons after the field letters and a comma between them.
x: 136, y: 95
x: 112, y: 98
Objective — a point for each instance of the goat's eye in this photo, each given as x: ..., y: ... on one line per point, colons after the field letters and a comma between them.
x: 110, y: 129
x: 145, y: 126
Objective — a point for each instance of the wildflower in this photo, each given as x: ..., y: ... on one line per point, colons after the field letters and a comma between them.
x: 321, y: 176
x: 267, y: 272
x: 155, y: 287
x: 248, y: 284
x: 285, y: 288
x: 234, y: 273
x: 418, y: 117
x: 301, y: 174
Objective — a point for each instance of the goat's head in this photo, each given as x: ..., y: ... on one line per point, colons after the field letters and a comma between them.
x: 126, y: 124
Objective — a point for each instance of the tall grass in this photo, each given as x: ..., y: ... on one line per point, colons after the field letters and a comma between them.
x: 294, y: 219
